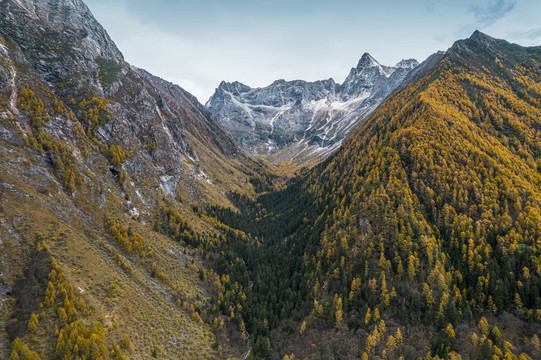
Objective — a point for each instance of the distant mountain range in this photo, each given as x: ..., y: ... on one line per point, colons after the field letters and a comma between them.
x: 303, y: 120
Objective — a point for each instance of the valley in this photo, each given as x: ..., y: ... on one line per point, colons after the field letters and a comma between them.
x: 137, y: 223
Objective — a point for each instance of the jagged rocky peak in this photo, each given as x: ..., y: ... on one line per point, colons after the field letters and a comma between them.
x: 70, y: 18
x: 286, y: 92
x: 305, y: 119
x: 478, y: 41
x: 363, y: 78
x: 407, y: 64
x: 482, y: 38
x: 367, y: 61
x: 235, y: 88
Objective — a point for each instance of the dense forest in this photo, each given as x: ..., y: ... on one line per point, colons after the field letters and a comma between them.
x: 426, y: 223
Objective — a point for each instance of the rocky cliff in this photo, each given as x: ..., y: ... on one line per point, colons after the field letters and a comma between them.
x: 304, y: 120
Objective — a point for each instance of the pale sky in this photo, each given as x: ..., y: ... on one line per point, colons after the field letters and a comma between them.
x: 197, y: 44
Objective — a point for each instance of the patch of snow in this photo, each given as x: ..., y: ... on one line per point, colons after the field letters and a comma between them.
x: 204, y: 176
x: 337, y: 112
x: 133, y: 210
x: 281, y: 110
x: 388, y: 70
x: 244, y: 106
x: 275, y: 108
x: 270, y: 145
x: 339, y: 105
x: 138, y: 193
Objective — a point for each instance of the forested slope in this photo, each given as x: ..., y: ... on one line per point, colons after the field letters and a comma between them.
x: 426, y: 223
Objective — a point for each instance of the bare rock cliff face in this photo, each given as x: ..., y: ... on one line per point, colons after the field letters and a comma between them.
x: 305, y: 120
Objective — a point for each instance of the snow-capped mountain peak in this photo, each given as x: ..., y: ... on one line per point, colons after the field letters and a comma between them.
x: 300, y: 119
x: 407, y: 64
x: 235, y: 88
x: 367, y: 61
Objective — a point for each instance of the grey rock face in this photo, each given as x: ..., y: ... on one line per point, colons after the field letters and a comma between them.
x: 304, y: 120
x: 70, y: 18
x: 59, y: 45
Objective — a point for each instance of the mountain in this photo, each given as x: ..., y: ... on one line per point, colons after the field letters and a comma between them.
x: 133, y: 226
x: 419, y: 237
x: 102, y: 164
x: 303, y: 120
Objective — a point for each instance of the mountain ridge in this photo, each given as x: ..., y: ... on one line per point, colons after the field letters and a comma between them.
x: 302, y: 120
x: 419, y: 236
x: 103, y: 167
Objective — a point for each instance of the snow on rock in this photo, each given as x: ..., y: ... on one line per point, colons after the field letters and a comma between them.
x: 13, y: 96
x: 304, y: 116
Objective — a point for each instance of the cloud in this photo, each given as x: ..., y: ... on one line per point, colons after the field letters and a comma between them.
x: 494, y: 11
x: 530, y: 37
x: 433, y: 4
x: 530, y: 34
